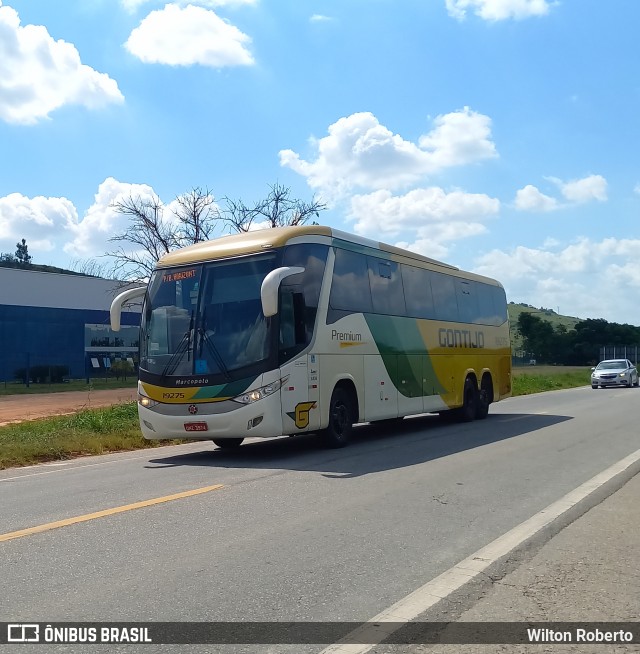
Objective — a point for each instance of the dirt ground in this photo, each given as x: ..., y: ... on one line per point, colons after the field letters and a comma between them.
x: 16, y: 408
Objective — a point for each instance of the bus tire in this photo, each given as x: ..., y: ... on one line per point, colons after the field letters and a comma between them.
x: 228, y: 443
x: 341, y: 412
x: 484, y: 399
x: 467, y: 412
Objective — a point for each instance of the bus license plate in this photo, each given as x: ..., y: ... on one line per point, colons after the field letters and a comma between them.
x: 195, y: 426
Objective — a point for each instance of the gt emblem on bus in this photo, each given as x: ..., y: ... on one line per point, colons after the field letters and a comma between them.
x: 301, y: 415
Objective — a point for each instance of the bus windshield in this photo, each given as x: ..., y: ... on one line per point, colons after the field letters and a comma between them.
x: 206, y: 319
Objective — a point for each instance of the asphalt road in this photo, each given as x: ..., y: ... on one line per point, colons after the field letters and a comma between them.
x: 294, y: 533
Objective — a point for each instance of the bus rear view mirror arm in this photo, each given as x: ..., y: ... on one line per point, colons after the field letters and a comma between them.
x: 120, y: 300
x: 270, y: 286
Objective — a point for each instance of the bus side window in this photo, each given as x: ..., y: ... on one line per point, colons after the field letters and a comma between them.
x: 467, y: 301
x: 487, y: 314
x: 387, y: 294
x: 350, y: 286
x: 444, y: 297
x: 499, y: 304
x: 299, y: 297
x: 417, y: 292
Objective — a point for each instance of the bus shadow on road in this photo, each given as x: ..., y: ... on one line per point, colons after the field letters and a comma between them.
x: 375, y: 447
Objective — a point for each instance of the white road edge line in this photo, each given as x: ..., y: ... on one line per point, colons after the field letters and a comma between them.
x: 381, y: 626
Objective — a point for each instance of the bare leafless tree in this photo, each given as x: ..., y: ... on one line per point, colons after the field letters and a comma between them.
x: 278, y: 209
x: 194, y: 217
x: 92, y: 268
x: 150, y: 234
x: 197, y: 214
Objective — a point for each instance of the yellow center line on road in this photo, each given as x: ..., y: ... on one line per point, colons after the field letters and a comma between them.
x: 107, y: 512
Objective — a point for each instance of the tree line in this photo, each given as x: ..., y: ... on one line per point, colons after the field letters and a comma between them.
x: 577, y: 347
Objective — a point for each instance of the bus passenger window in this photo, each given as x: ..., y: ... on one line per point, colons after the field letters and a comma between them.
x: 417, y: 292
x: 350, y: 287
x: 387, y: 294
x: 444, y: 297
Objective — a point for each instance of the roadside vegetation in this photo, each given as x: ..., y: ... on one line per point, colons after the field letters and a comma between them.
x: 537, y: 379
x: 114, y: 429
x: 88, y: 432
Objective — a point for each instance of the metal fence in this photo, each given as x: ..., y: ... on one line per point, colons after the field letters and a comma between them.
x: 620, y: 352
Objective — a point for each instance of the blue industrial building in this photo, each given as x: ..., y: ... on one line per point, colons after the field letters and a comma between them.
x: 61, y: 322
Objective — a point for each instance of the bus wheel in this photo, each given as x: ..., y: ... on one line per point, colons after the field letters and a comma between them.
x: 228, y: 443
x: 338, y: 433
x: 467, y: 412
x: 484, y: 399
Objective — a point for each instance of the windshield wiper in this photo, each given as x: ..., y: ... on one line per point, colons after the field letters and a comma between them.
x: 213, y: 350
x: 183, y: 346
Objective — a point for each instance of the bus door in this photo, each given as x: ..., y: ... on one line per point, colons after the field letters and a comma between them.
x: 300, y: 394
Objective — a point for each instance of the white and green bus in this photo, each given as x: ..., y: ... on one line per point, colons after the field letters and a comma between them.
x: 309, y: 329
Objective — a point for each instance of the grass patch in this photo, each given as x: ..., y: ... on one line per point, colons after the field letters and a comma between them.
x: 537, y: 379
x: 97, y: 384
x: 90, y: 431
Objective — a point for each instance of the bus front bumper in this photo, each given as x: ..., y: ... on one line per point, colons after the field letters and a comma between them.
x: 260, y: 419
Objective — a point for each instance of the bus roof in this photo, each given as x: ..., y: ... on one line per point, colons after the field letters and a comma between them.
x: 261, y: 240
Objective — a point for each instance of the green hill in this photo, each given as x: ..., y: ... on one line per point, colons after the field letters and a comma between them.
x: 545, y: 314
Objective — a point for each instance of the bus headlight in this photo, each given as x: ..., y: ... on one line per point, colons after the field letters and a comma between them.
x: 145, y: 401
x: 259, y: 393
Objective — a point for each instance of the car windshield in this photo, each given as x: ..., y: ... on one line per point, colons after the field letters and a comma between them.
x: 206, y: 319
x: 612, y: 365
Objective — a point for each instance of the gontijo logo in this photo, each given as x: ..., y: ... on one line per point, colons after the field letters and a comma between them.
x: 301, y: 415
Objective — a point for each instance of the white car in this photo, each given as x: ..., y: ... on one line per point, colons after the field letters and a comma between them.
x: 614, y: 372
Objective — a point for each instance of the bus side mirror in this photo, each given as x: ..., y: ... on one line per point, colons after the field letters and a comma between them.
x: 119, y: 301
x: 270, y: 286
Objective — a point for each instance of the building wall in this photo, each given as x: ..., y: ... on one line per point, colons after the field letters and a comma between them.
x: 43, y: 318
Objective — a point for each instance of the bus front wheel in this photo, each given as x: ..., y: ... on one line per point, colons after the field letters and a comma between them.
x: 228, y: 443
x: 338, y: 432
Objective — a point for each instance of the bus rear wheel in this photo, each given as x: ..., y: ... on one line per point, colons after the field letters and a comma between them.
x: 338, y: 432
x: 484, y: 398
x: 467, y: 412
x: 228, y: 443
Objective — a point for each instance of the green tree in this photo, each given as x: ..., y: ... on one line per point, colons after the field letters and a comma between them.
x: 22, y: 253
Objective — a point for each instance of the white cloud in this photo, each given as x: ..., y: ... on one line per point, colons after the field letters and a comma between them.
x: 359, y: 152
x: 91, y: 235
x: 191, y: 35
x: 39, y: 74
x: 382, y: 212
x: 636, y: 189
x: 494, y: 10
x: 587, y: 279
x: 39, y: 220
x: 530, y: 198
x: 593, y: 187
x: 133, y: 5
x: 427, y: 218
x: 319, y: 18
x: 459, y: 138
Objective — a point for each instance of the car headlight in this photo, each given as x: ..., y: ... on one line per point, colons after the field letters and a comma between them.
x: 623, y: 374
x: 259, y: 393
x: 145, y: 401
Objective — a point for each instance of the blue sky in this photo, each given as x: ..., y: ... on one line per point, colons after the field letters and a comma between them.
x: 498, y: 135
